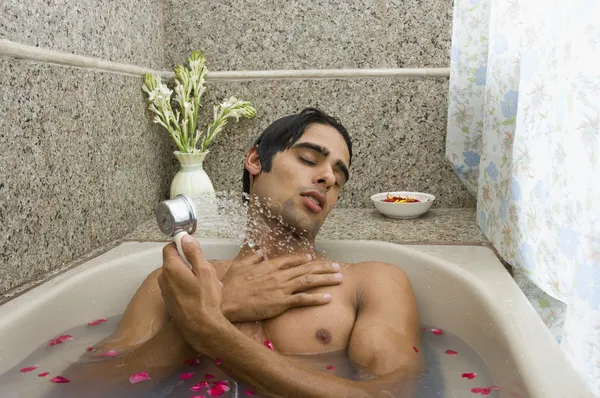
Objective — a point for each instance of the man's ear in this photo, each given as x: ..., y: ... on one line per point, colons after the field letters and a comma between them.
x: 252, y: 162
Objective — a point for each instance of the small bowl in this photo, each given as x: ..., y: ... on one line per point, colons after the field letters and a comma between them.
x: 403, y: 210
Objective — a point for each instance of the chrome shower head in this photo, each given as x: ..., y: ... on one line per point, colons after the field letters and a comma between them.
x: 177, y: 215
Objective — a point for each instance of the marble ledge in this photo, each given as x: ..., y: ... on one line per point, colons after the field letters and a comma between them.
x: 443, y: 226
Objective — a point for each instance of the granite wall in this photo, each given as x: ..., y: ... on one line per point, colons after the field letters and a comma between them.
x: 80, y: 162
x: 398, y: 125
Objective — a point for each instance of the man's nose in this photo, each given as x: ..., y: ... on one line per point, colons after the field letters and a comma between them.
x: 326, y: 177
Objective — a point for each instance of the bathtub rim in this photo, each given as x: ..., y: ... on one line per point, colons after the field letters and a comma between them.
x: 493, y: 269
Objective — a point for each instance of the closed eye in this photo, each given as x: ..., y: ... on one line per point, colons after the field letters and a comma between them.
x: 306, y: 161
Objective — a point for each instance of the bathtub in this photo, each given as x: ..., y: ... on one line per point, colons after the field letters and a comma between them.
x: 462, y: 289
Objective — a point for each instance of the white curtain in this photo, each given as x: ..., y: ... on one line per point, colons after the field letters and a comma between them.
x: 524, y: 136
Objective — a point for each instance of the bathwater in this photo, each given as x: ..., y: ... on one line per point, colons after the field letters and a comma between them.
x: 452, y: 369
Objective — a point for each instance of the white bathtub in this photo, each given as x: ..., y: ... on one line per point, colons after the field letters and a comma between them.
x: 463, y: 289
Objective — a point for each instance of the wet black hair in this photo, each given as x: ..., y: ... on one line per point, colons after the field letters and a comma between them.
x: 283, y: 133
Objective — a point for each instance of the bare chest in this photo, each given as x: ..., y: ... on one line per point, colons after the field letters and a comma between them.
x: 309, y: 330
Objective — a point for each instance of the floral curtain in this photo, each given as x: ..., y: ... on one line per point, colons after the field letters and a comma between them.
x: 524, y: 137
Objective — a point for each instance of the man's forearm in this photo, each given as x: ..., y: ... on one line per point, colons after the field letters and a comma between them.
x: 274, y: 374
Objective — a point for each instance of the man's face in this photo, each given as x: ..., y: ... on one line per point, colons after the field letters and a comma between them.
x: 305, y: 180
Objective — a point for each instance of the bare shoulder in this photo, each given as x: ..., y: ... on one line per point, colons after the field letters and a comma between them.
x: 375, y: 273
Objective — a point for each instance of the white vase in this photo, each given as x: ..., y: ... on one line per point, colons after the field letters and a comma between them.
x: 191, y: 179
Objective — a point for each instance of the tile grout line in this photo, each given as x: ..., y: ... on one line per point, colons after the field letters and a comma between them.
x: 15, y: 50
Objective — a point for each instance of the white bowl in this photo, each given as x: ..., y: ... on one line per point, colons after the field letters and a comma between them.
x: 403, y: 210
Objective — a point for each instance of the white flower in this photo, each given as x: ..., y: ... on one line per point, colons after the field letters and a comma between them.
x: 179, y: 114
x: 164, y: 91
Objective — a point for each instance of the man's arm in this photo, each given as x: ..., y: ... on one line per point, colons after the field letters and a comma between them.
x: 382, y: 341
x: 381, y: 346
x: 254, y: 290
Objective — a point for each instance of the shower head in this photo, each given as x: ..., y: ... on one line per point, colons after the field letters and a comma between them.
x: 177, y: 215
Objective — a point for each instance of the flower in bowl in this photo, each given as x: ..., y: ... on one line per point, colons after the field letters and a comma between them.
x: 402, y: 205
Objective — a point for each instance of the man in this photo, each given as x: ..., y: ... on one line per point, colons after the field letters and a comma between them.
x: 284, y: 294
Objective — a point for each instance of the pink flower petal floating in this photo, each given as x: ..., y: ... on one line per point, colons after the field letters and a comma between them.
x: 29, y: 369
x: 110, y: 353
x: 437, y: 331
x: 483, y: 391
x: 269, y: 345
x: 208, y: 376
x: 97, y: 322
x: 218, y: 361
x: 469, y: 376
x: 451, y: 352
x: 186, y: 376
x: 138, y: 377
x: 198, y: 396
x: 193, y: 362
x: 330, y: 367
x: 60, y: 339
x: 222, y: 383
x: 90, y: 349
x: 216, y: 391
x: 43, y: 374
x: 415, y: 349
x: 249, y: 392
x: 59, y: 379
x: 199, y: 386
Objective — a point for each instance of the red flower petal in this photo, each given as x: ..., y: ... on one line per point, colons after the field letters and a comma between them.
x: 29, y: 369
x: 330, y: 367
x: 186, y: 376
x: 437, y: 331
x: 218, y: 361
x: 65, y: 337
x: 269, y: 345
x: 469, y: 375
x: 416, y: 349
x: 59, y: 379
x: 90, y: 349
x: 199, y: 386
x: 221, y: 383
x: 216, y: 391
x: 451, y: 352
x: 208, y: 376
x: 192, y: 362
x: 110, y: 353
x: 43, y: 374
x: 138, y: 377
x: 54, y: 342
x: 249, y: 392
x: 198, y: 396
x: 478, y: 390
x: 97, y: 322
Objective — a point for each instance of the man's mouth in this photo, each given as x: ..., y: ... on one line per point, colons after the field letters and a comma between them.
x: 314, y: 200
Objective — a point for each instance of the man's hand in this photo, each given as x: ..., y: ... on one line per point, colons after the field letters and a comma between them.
x: 193, y: 297
x: 255, y: 291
